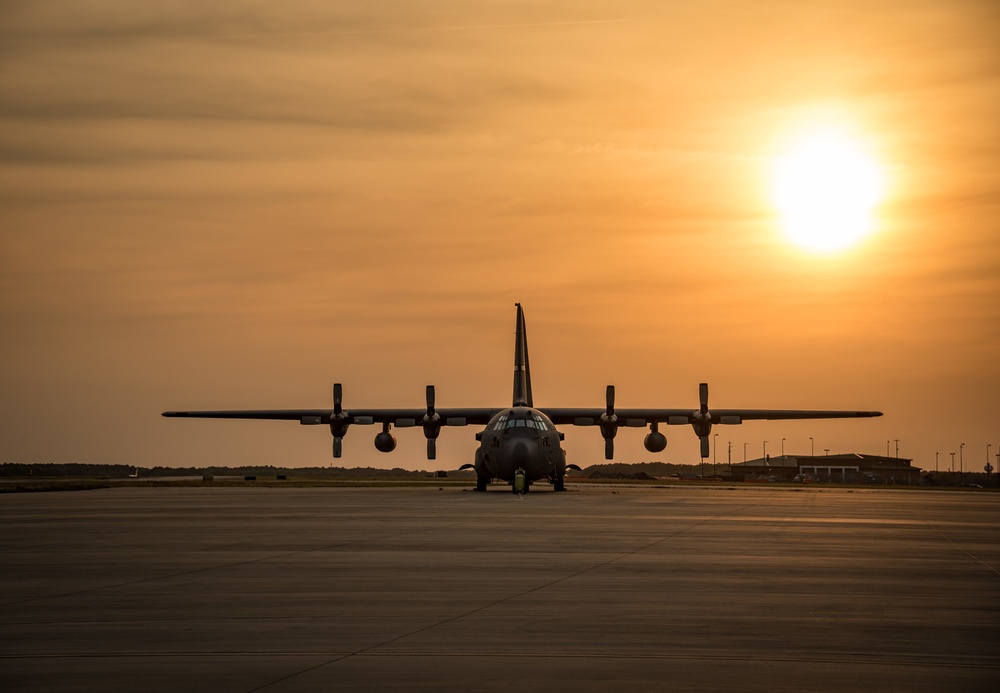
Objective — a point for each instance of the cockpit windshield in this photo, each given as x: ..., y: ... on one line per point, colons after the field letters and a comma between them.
x: 530, y: 421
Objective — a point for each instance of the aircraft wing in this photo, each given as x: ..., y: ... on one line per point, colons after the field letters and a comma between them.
x: 452, y: 416
x: 725, y: 416
x: 610, y: 419
x: 463, y: 416
x: 339, y: 419
x: 288, y: 414
x: 643, y: 417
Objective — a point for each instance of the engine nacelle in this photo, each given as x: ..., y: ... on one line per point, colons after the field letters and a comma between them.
x: 385, y: 442
x: 655, y: 442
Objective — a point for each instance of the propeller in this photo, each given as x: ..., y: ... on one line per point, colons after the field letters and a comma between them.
x: 338, y: 420
x: 702, y: 420
x: 609, y: 424
x: 431, y: 424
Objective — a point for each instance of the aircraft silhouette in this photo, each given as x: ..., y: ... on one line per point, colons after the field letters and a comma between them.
x: 520, y: 443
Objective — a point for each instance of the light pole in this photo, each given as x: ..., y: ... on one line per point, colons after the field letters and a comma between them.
x: 765, y: 452
x: 826, y: 451
x: 952, y: 467
x: 730, y: 459
x: 887, y: 447
x: 936, y: 463
x: 782, y: 449
x: 745, y: 453
x: 961, y: 465
x: 812, y: 447
x: 897, y: 447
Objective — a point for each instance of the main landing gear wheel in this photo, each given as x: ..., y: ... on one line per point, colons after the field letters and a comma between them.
x: 482, y: 476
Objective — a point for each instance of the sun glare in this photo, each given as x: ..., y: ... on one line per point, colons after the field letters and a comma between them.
x: 826, y: 188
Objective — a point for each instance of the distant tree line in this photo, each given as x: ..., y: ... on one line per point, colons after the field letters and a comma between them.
x: 123, y: 471
x: 642, y: 470
x: 65, y: 470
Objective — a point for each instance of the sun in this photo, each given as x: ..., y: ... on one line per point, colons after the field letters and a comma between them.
x: 826, y: 188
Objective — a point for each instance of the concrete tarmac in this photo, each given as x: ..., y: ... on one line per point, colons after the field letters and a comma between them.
x: 596, y: 589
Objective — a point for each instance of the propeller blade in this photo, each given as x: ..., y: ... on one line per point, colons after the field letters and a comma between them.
x: 430, y: 400
x: 703, y: 396
x: 609, y: 448
x: 611, y: 400
x: 704, y: 446
x: 337, y: 446
x: 338, y: 399
x: 431, y: 448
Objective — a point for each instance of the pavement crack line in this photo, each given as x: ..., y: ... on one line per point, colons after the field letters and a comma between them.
x: 523, y: 593
x: 959, y: 547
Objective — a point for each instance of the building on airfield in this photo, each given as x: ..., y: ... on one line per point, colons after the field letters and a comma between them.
x: 847, y: 468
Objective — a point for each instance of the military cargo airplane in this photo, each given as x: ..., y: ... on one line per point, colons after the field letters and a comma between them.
x: 520, y: 444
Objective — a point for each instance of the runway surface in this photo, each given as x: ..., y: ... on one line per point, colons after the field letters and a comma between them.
x: 297, y: 589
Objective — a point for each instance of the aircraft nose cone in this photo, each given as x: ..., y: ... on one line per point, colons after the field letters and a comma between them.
x: 520, y: 451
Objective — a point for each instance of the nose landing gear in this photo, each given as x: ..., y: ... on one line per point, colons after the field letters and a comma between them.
x: 520, y: 483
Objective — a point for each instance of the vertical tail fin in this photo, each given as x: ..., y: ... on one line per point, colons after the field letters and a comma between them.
x: 522, y: 370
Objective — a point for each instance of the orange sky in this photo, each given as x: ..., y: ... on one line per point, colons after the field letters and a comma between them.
x: 206, y: 207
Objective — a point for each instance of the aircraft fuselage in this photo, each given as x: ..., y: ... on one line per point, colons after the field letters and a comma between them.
x: 520, y: 438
